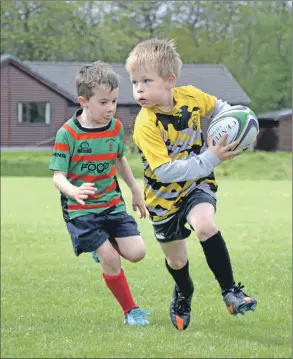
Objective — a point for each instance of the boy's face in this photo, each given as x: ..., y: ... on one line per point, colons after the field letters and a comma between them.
x: 149, y: 89
x: 101, y: 107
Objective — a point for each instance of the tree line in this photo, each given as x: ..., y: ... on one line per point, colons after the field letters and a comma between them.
x: 253, y: 39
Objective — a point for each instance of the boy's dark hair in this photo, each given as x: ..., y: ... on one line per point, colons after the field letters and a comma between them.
x: 92, y: 76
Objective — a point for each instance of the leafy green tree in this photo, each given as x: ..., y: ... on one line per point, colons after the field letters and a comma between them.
x: 252, y: 38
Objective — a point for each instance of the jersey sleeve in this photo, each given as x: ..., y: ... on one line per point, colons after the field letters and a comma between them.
x: 61, y: 152
x: 150, y: 142
x: 205, y: 101
x: 121, y: 141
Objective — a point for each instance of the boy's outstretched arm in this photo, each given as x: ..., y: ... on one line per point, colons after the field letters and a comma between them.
x: 127, y: 175
x: 150, y: 142
x: 78, y: 193
x: 198, y: 166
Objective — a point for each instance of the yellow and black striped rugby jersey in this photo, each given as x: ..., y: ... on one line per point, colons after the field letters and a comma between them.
x: 162, y: 137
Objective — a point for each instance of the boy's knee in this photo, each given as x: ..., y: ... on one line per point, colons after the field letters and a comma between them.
x: 137, y: 255
x: 205, y: 229
x: 176, y: 263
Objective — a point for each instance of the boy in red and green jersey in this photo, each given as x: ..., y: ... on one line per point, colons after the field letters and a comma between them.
x: 87, y: 153
x: 90, y: 156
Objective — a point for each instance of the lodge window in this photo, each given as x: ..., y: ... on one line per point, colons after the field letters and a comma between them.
x: 34, y: 112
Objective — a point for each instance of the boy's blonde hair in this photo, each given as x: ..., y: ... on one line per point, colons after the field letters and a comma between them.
x: 92, y: 76
x: 157, y: 55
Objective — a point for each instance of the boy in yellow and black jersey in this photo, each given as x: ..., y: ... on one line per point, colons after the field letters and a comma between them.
x: 179, y: 181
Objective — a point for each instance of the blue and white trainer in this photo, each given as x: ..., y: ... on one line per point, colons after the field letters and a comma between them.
x: 137, y: 316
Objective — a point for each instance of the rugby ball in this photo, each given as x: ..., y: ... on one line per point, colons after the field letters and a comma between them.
x: 240, y: 123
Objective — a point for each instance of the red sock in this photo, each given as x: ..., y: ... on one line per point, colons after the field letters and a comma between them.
x: 120, y: 289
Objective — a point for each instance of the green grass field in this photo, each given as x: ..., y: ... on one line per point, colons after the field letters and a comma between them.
x: 250, y: 165
x: 55, y: 305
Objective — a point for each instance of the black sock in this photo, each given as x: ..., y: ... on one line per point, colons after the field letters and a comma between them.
x: 218, y: 259
x: 182, y: 278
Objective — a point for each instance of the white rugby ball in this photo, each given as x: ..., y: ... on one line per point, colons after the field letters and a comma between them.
x: 239, y: 122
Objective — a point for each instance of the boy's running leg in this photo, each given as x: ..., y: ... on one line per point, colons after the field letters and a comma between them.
x: 124, y: 232
x: 133, y: 249
x: 201, y: 218
x: 178, y: 266
x: 117, y: 283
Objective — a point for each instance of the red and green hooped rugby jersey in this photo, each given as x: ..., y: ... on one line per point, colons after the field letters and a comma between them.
x: 89, y: 155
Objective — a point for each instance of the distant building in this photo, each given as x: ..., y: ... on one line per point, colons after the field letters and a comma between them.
x: 275, y: 130
x: 37, y: 97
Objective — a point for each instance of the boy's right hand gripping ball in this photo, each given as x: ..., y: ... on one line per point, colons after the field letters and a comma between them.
x: 241, y: 124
